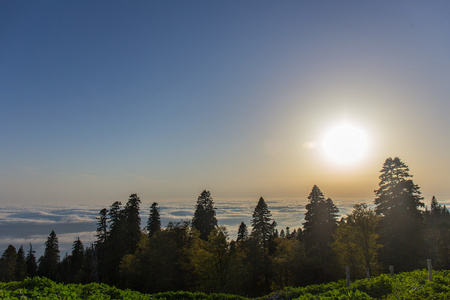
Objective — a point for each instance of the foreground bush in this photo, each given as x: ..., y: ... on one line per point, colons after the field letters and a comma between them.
x: 411, y: 285
x: 43, y: 288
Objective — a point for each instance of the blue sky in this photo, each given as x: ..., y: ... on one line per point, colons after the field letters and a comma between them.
x: 101, y: 99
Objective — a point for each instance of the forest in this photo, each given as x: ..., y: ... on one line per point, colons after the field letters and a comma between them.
x: 197, y: 255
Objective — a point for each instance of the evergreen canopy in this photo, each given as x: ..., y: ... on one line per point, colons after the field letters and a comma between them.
x: 205, y: 215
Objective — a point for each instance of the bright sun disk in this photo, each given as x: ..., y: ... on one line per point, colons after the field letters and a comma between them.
x: 345, y: 144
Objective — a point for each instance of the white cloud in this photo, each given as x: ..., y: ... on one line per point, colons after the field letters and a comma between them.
x: 24, y: 225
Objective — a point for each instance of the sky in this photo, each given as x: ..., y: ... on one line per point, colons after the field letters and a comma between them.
x: 102, y: 99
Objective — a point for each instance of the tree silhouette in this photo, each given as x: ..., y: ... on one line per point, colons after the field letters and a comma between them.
x: 31, y: 263
x: 398, y: 201
x: 76, y: 261
x: 102, y: 226
x: 114, y: 213
x: 123, y: 238
x: 205, y: 215
x: 8, y: 264
x: 20, y: 272
x: 154, y: 220
x: 259, y: 250
x: 318, y: 228
x: 132, y: 224
x: 437, y: 227
x: 262, y: 227
x: 48, y: 263
x: 242, y: 233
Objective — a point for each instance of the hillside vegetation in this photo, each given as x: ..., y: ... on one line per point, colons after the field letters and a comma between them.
x: 409, y: 285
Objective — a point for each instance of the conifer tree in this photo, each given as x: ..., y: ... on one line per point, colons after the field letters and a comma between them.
x: 8, y: 264
x: 76, y: 260
x: 48, y: 263
x: 442, y: 245
x: 123, y: 238
x: 320, y: 221
x: 262, y: 228
x: 438, y: 209
x: 31, y: 263
x: 110, y: 252
x: 205, y: 215
x: 154, y: 220
x: 398, y: 201
x: 397, y: 190
x: 102, y: 226
x: 132, y: 224
x: 242, y: 233
x: 437, y: 226
x: 115, y: 213
x: 260, y: 248
x: 288, y: 232
x: 318, y: 228
x: 90, y: 267
x: 20, y: 272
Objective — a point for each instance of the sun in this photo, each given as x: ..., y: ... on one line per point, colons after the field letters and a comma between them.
x: 345, y: 144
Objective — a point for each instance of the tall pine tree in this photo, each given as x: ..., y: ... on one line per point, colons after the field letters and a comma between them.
x: 318, y: 228
x: 437, y: 228
x: 48, y: 263
x: 320, y: 221
x: 205, y: 215
x: 102, y: 226
x: 31, y: 262
x: 398, y: 201
x: 242, y: 233
x: 122, y: 239
x: 76, y: 261
x: 262, y: 227
x: 21, y: 267
x: 132, y: 224
x: 8, y: 264
x: 154, y: 220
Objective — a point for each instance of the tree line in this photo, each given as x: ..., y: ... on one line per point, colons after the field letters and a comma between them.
x: 197, y: 254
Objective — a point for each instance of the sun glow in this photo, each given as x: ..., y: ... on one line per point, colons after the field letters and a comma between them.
x: 345, y: 144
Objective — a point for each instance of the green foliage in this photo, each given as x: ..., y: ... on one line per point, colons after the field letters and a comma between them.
x: 288, y: 263
x: 410, y: 285
x: 356, y: 243
x: 189, y: 295
x: 43, y: 288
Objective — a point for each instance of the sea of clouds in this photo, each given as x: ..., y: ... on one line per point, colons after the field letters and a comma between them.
x: 32, y: 224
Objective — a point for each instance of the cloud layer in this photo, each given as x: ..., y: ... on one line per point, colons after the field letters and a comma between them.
x: 24, y: 225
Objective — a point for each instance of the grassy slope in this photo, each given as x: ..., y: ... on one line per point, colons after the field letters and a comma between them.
x: 411, y: 285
